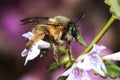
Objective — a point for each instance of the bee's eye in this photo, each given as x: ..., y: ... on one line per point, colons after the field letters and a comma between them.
x: 72, y: 29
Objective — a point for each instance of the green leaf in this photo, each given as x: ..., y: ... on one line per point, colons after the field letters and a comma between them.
x: 81, y: 41
x: 53, y: 66
x: 64, y: 59
x: 62, y: 78
x: 62, y: 49
x: 114, y: 7
x: 68, y: 64
x: 113, y: 71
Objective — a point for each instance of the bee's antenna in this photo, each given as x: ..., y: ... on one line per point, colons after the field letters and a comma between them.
x: 81, y: 17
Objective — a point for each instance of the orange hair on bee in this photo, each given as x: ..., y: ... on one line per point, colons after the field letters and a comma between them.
x: 34, y: 39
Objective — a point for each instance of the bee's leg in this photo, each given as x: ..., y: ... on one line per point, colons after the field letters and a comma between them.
x: 60, y: 41
x: 29, y: 44
x: 68, y: 46
x: 55, y: 53
x: 38, y: 36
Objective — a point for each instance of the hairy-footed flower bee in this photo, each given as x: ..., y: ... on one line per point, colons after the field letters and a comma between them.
x: 55, y: 30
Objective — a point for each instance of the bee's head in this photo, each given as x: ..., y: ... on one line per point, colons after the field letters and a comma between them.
x: 72, y: 29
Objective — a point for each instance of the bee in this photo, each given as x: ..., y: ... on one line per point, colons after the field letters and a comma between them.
x: 56, y: 30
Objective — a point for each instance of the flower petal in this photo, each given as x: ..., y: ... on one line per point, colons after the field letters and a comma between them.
x: 99, y: 69
x: 97, y: 48
x: 92, y: 60
x: 72, y: 77
x: 28, y: 35
x: 43, y: 44
x: 114, y: 56
x: 86, y: 76
x: 97, y: 64
x: 24, y: 53
x: 86, y: 65
x: 67, y: 72
x: 33, y: 52
x: 32, y: 55
x: 84, y: 62
x: 78, y: 74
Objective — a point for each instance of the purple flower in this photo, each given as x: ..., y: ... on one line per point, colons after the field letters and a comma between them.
x: 92, y: 60
x: 34, y: 51
x: 76, y: 73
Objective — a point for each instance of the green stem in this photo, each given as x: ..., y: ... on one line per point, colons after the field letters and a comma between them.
x: 99, y: 36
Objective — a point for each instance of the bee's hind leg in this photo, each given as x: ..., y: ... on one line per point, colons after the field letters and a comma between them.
x: 55, y: 53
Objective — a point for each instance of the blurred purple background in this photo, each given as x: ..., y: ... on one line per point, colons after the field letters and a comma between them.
x: 12, y: 43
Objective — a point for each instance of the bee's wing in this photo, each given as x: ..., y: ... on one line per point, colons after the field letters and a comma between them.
x: 35, y: 20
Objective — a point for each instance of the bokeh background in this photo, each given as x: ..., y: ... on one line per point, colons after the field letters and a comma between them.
x: 12, y: 43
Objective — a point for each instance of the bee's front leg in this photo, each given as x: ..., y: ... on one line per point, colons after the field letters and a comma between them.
x: 55, y: 53
x: 68, y: 46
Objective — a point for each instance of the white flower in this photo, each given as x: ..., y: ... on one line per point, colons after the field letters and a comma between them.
x: 92, y: 60
x: 28, y: 35
x: 76, y: 73
x: 34, y: 51
x: 114, y: 56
